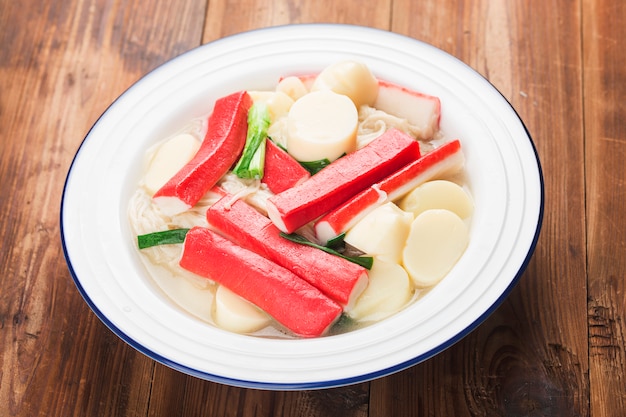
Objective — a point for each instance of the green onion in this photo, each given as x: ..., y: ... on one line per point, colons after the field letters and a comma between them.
x: 280, y: 145
x: 364, y: 261
x: 252, y: 161
x: 257, y: 163
x: 165, y: 237
x: 336, y: 242
x: 315, y: 166
x: 344, y: 324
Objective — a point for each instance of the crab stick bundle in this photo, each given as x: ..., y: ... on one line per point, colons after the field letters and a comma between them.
x: 290, y: 300
x: 443, y: 160
x: 342, y: 179
x: 341, y: 280
x: 222, y: 145
x: 281, y: 170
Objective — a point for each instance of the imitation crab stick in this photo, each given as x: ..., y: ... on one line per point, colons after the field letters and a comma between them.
x: 281, y: 170
x: 222, y: 145
x: 440, y: 161
x: 290, y: 300
x: 420, y: 110
x: 339, y: 181
x: 338, y: 278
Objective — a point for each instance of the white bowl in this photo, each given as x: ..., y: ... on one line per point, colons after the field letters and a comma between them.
x: 503, y: 170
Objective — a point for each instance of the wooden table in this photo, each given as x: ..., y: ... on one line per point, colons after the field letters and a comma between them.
x: 555, y: 347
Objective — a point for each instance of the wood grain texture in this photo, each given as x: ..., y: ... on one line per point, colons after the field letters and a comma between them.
x: 527, y: 358
x: 61, y: 64
x: 175, y: 394
x: 227, y: 18
x: 555, y: 347
x: 605, y: 146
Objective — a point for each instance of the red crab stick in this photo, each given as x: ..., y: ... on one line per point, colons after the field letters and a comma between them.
x: 281, y: 170
x: 420, y: 110
x: 339, y: 181
x: 293, y: 302
x: 222, y: 145
x: 443, y: 160
x: 341, y: 280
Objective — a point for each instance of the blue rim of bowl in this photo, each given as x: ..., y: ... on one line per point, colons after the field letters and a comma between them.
x: 324, y: 384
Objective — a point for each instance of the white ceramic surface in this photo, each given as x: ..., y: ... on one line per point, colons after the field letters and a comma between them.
x: 504, y: 174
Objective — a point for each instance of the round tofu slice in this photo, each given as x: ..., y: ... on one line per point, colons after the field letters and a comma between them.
x: 321, y: 125
x: 436, y: 241
x: 440, y: 194
x: 351, y: 78
x: 168, y: 159
x: 382, y: 232
x: 293, y: 87
x: 278, y: 103
x: 389, y: 289
x: 236, y: 314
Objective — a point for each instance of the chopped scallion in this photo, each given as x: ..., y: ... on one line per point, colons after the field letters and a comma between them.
x: 252, y: 161
x: 165, y: 237
x: 315, y: 166
x: 336, y: 241
x: 364, y: 261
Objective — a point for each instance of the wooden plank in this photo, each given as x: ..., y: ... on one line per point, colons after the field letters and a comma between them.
x: 61, y: 65
x: 176, y: 394
x: 530, y: 356
x: 227, y: 18
x: 604, y: 60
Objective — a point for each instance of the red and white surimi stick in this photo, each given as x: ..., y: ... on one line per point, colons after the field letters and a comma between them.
x: 341, y: 280
x: 443, y: 160
x: 419, y: 109
x: 223, y: 143
x: 282, y: 171
x: 290, y: 300
x: 342, y: 179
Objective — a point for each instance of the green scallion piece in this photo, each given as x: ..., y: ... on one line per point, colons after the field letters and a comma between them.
x: 251, y: 164
x: 364, y: 261
x: 315, y: 166
x: 166, y: 237
x: 336, y: 242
